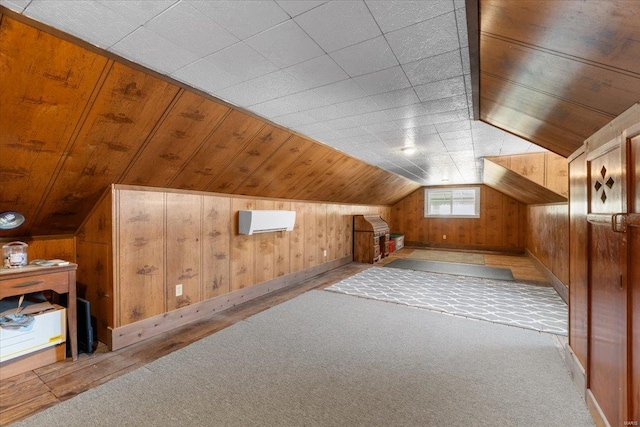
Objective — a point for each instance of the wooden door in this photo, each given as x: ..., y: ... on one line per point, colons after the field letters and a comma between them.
x: 607, y: 370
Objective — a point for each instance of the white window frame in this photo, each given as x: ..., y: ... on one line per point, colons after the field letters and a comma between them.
x: 432, y: 191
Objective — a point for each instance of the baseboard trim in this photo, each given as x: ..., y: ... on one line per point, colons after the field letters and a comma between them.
x: 576, y: 370
x: 147, y: 328
x: 596, y: 411
x: 560, y: 287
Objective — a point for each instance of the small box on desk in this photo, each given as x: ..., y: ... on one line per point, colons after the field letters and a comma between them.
x: 48, y: 329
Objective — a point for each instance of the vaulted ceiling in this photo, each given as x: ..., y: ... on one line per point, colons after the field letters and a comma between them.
x: 368, y: 78
x: 308, y: 100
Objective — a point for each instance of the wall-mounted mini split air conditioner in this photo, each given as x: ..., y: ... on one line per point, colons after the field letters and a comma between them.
x: 251, y: 222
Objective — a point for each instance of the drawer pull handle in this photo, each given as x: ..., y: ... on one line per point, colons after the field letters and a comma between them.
x: 32, y: 283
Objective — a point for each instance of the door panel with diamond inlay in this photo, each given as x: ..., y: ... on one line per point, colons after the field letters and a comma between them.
x: 607, y: 364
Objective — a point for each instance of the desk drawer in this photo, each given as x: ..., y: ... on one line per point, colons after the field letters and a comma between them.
x: 58, y: 282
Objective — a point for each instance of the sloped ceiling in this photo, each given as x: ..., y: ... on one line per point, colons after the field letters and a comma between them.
x: 73, y: 121
x: 365, y: 77
x: 556, y: 71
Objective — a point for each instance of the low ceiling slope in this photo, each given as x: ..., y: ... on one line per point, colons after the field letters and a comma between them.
x: 73, y: 121
x: 365, y: 77
x: 556, y: 71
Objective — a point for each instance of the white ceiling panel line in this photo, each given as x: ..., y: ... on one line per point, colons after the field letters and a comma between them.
x: 365, y: 77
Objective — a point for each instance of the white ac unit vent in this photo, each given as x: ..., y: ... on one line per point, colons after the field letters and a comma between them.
x: 251, y: 222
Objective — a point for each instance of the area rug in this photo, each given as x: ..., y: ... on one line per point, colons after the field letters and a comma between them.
x: 325, y: 359
x: 447, y: 256
x: 456, y: 268
x: 511, y: 303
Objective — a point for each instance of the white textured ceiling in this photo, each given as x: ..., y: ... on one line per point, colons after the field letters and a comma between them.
x: 366, y: 77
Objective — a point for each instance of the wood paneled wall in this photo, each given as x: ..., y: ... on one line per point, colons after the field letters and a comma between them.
x: 48, y: 247
x: 547, y: 169
x: 139, y: 243
x: 501, y: 225
x: 547, y: 234
x: 81, y: 119
x: 547, y: 237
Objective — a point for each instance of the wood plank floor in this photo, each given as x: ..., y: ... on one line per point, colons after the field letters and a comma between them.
x: 26, y: 394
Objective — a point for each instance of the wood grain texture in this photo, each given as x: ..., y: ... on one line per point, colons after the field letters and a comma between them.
x: 264, y: 263
x: 220, y: 148
x: 256, y: 152
x: 179, y: 135
x: 499, y: 226
x: 518, y: 187
x: 548, y: 237
x: 140, y: 282
x: 578, y: 256
x: 90, y: 120
x: 166, y: 237
x: 47, y: 91
x: 216, y: 252
x: 95, y: 279
x: 183, y: 249
x: 243, y: 248
x: 547, y: 169
x: 125, y: 111
x: 551, y: 79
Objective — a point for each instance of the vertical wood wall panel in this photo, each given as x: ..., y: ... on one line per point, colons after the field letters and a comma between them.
x: 243, y: 248
x: 548, y: 237
x: 216, y: 240
x: 137, y: 245
x: 282, y: 261
x: 183, y: 249
x: 310, y: 235
x: 94, y: 277
x: 140, y: 255
x: 297, y: 239
x: 265, y: 256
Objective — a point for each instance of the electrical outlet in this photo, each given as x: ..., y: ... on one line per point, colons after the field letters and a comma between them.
x: 179, y: 290
x: 444, y: 237
x: 325, y: 252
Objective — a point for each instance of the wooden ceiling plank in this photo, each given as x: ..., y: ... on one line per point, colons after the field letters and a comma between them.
x: 573, y: 118
x: 261, y: 180
x: 126, y: 110
x: 46, y: 87
x: 306, y: 169
x: 550, y: 137
x: 601, y: 89
x: 258, y: 151
x: 220, y: 148
x: 604, y: 32
x: 333, y: 179
x: 177, y: 137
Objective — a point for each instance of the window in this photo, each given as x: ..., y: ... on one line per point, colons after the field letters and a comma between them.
x: 461, y: 202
